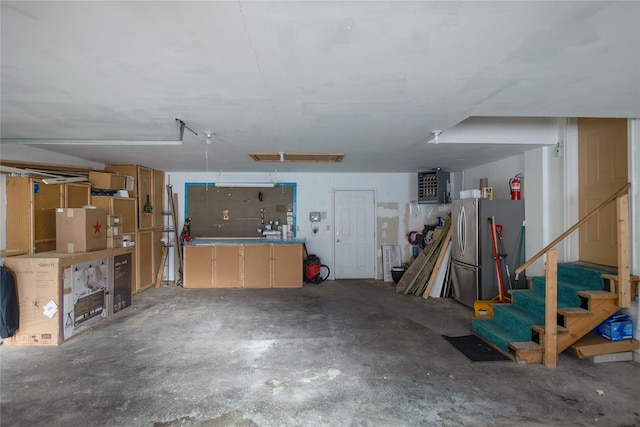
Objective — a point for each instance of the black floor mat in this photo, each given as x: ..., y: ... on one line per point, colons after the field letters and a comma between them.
x: 475, y: 349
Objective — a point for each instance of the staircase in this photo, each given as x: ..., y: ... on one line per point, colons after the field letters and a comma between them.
x: 583, y: 303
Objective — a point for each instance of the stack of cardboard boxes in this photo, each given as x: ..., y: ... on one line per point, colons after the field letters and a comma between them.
x: 114, y: 231
x: 86, y: 280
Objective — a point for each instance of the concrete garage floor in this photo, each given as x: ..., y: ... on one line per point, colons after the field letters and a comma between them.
x: 346, y: 353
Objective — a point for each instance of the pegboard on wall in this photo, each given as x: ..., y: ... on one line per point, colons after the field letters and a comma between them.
x: 236, y: 211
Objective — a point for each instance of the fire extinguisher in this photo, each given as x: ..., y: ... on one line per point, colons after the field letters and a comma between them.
x: 514, y: 186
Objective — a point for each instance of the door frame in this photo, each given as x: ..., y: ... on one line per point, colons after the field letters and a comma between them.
x: 374, y: 221
x: 570, y: 134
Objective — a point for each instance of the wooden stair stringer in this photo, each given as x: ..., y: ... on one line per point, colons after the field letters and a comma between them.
x: 579, y: 321
x: 527, y: 352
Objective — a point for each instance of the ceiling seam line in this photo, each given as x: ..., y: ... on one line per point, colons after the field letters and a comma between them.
x: 259, y: 67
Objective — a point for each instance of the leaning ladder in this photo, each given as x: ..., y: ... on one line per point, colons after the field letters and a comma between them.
x: 171, y: 228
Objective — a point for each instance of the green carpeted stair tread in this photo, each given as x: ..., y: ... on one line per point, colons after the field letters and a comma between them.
x: 588, y: 275
x: 511, y: 317
x: 512, y: 322
x: 567, y: 291
x: 534, y: 303
x: 494, y: 332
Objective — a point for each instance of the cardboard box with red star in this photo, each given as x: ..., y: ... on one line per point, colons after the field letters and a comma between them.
x: 80, y: 230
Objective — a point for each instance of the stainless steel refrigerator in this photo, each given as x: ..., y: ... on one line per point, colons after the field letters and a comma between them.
x: 474, y: 271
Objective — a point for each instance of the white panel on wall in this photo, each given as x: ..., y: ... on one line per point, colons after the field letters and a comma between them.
x: 314, y: 193
x: 498, y: 174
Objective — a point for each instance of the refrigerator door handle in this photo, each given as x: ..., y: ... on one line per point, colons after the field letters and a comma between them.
x: 462, y: 220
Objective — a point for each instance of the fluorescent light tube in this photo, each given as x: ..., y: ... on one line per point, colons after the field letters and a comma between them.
x: 244, y: 184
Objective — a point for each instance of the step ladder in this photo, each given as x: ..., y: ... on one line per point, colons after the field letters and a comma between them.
x: 170, y: 229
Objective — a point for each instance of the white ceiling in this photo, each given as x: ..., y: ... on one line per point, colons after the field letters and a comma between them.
x: 371, y: 79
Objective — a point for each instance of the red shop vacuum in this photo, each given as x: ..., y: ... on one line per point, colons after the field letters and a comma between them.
x: 314, y: 269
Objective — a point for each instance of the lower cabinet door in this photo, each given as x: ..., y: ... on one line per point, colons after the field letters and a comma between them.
x: 257, y: 266
x: 149, y: 255
x: 198, y: 266
x: 287, y: 266
x: 226, y: 266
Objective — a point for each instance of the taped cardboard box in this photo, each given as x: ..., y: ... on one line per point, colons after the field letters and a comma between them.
x: 624, y: 356
x: 113, y: 231
x: 49, y: 298
x: 115, y: 242
x: 123, y: 277
x: 80, y: 230
x: 594, y: 345
x: 107, y: 181
x: 114, y: 220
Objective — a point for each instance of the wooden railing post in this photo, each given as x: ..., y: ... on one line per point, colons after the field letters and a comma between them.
x: 550, y: 357
x: 623, y: 190
x: 624, y: 273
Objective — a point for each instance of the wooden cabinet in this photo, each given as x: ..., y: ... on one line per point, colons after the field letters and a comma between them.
x: 122, y: 206
x: 247, y: 265
x: 226, y: 266
x: 208, y: 266
x: 145, y: 193
x: 148, y: 255
x: 148, y: 185
x: 198, y: 266
x: 257, y: 266
x: 31, y: 213
x: 157, y: 197
x: 287, y: 266
x: 76, y: 195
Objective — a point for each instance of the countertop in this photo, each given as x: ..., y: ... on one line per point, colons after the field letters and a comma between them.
x: 243, y: 241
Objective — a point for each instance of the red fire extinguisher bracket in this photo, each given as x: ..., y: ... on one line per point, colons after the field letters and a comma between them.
x: 515, y: 186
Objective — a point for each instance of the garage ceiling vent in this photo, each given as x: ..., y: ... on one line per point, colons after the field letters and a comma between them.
x: 297, y: 157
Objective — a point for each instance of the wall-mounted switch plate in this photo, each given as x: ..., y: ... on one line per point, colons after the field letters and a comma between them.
x: 315, y: 216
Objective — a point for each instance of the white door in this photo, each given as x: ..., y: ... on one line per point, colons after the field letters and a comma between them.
x: 354, y: 238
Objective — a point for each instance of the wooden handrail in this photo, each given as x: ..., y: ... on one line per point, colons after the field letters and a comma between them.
x: 597, y: 209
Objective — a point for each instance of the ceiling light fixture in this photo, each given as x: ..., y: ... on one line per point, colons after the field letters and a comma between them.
x: 244, y: 184
x: 436, y: 133
x: 297, y: 157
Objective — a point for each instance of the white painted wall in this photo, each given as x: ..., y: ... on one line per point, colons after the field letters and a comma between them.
x: 634, y: 204
x: 498, y: 174
x: 543, y: 192
x: 314, y: 192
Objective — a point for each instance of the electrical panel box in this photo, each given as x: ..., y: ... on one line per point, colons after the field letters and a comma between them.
x: 433, y: 187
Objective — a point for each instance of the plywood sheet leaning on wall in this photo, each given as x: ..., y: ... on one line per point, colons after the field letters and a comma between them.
x: 414, y: 280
